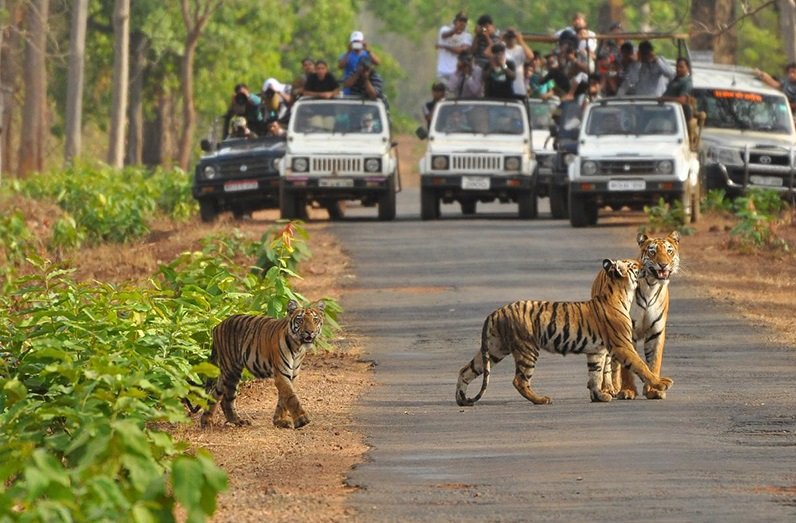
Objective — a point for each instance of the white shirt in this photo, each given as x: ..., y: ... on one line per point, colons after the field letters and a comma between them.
x: 517, y: 55
x: 446, y: 59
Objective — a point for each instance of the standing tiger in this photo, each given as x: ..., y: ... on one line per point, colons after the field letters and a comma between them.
x: 267, y: 347
x: 660, y: 258
x: 523, y: 328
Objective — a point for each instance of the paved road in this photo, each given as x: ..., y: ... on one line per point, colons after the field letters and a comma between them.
x: 721, y: 447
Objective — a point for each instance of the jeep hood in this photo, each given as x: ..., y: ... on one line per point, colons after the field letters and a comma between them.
x: 339, y: 144
x: 739, y: 138
x: 629, y: 146
x: 477, y: 143
x: 252, y: 148
x: 539, y: 138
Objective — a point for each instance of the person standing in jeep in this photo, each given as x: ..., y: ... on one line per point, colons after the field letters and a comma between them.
x: 787, y: 86
x: 499, y: 75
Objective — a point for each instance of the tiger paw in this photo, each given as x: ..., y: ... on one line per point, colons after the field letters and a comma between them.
x: 239, y: 422
x: 600, y: 396
x: 301, y: 421
x: 462, y: 400
x: 653, y: 394
x: 662, y: 384
x: 283, y: 423
x: 543, y: 400
x: 626, y: 394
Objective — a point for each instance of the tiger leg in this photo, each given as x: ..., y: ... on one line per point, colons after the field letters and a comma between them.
x: 653, y: 352
x: 627, y: 389
x: 608, y: 385
x: 525, y: 364
x: 227, y: 390
x: 288, y: 398
x: 212, y: 405
x: 282, y: 417
x: 629, y: 358
x: 595, y: 362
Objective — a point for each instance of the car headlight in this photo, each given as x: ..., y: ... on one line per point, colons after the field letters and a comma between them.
x: 301, y: 165
x: 209, y: 172
x: 588, y: 168
x: 665, y: 167
x: 569, y: 158
x: 373, y: 165
x: 724, y: 155
x: 512, y: 163
x: 439, y: 163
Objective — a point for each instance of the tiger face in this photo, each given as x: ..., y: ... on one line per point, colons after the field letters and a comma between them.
x: 305, y: 322
x: 627, y: 271
x: 660, y: 257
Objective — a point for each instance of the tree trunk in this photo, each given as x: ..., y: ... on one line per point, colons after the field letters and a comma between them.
x: 611, y: 11
x: 708, y: 18
x: 34, y: 128
x: 195, y: 20
x: 2, y: 97
x: 135, y: 137
x: 121, y: 58
x: 158, y: 146
x: 74, y: 88
x: 9, y: 78
x: 787, y: 27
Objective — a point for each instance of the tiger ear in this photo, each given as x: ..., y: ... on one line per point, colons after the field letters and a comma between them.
x: 320, y: 305
x: 608, y: 265
x: 641, y: 238
x: 675, y: 237
x: 291, y: 306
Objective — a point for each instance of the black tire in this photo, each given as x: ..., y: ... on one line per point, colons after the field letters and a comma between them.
x: 429, y: 204
x: 582, y: 211
x: 559, y: 207
x: 208, y: 210
x: 335, y: 209
x: 387, y: 202
x: 288, y: 204
x: 528, y: 205
x: 468, y: 207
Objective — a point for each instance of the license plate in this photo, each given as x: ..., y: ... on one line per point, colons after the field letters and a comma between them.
x: 475, y: 183
x: 768, y: 181
x: 245, y: 185
x: 545, y: 170
x: 627, y: 185
x: 335, y: 182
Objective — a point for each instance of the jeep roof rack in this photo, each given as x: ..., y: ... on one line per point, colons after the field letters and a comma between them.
x: 680, y: 38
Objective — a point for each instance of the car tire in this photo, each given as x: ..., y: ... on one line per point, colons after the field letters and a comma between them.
x: 387, y: 202
x: 336, y: 210
x: 558, y: 202
x: 429, y: 204
x: 528, y: 205
x: 288, y: 204
x: 468, y: 207
x: 208, y: 210
x: 582, y: 211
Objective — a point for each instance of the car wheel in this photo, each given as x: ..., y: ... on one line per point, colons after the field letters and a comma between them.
x: 288, y: 204
x: 208, y: 210
x: 558, y: 201
x: 335, y: 209
x: 468, y: 207
x: 387, y: 202
x: 429, y: 204
x: 582, y: 211
x: 528, y: 206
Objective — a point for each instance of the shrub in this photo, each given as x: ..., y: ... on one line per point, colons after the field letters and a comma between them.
x: 665, y: 217
x: 757, y: 215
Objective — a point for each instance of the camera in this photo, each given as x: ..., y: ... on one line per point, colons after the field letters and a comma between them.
x: 356, y: 46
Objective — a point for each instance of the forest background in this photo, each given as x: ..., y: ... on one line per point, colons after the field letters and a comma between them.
x: 140, y: 82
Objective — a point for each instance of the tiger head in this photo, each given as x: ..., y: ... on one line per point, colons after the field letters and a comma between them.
x: 618, y: 279
x: 660, y: 257
x: 305, y: 323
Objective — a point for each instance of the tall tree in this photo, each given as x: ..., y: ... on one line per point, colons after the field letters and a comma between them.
x: 32, y: 136
x: 787, y: 27
x: 74, y: 86
x: 2, y: 98
x: 712, y: 29
x: 195, y: 15
x: 135, y: 118
x: 121, y: 73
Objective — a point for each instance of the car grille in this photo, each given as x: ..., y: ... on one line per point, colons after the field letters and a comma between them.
x: 627, y: 167
x: 248, y: 167
x: 476, y: 163
x: 336, y: 164
x: 768, y: 159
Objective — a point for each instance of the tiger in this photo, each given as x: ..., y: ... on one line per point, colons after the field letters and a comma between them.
x: 660, y: 259
x: 267, y: 347
x: 597, y: 327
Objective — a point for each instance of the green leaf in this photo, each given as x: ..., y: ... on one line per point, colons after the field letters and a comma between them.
x: 15, y: 391
x: 187, y: 480
x: 206, y: 369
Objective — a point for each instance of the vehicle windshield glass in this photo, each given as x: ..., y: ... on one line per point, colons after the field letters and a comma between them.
x: 541, y: 115
x: 337, y: 118
x: 632, y: 119
x: 480, y: 119
x: 728, y: 109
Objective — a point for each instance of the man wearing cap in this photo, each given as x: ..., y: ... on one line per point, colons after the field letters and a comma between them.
x: 453, y: 40
x: 467, y: 81
x: 357, y: 49
x: 499, y: 76
x: 649, y: 76
x: 485, y: 37
x: 365, y: 81
x: 437, y: 94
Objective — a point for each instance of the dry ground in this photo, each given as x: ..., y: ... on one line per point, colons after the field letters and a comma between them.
x: 298, y: 475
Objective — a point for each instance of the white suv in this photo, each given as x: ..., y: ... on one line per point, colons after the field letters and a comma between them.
x: 748, y: 138
x: 478, y: 150
x: 338, y: 149
x: 632, y: 152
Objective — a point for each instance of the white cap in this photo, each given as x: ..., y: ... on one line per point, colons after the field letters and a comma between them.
x: 357, y: 36
x: 274, y: 84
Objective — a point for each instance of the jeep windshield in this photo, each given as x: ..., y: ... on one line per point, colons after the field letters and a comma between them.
x: 624, y: 119
x: 728, y: 109
x: 337, y: 117
x: 479, y: 118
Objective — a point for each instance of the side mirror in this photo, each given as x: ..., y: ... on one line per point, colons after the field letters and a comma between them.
x: 205, y: 145
x: 421, y: 132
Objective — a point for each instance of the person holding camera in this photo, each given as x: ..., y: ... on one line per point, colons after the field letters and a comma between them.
x: 275, y: 101
x: 518, y: 52
x: 453, y: 40
x: 357, y: 50
x: 243, y: 104
x: 648, y: 76
x: 365, y: 82
x: 499, y: 76
x: 486, y: 36
x: 467, y: 81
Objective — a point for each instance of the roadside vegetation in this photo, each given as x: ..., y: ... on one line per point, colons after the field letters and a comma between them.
x: 93, y: 374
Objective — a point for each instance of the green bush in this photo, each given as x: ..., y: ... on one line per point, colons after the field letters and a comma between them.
x: 716, y: 201
x: 665, y: 217
x: 757, y: 215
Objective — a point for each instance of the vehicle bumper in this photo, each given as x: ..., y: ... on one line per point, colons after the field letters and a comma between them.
x: 735, y: 180
x: 652, y: 191
x: 456, y: 186
x: 336, y: 187
x: 242, y: 190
